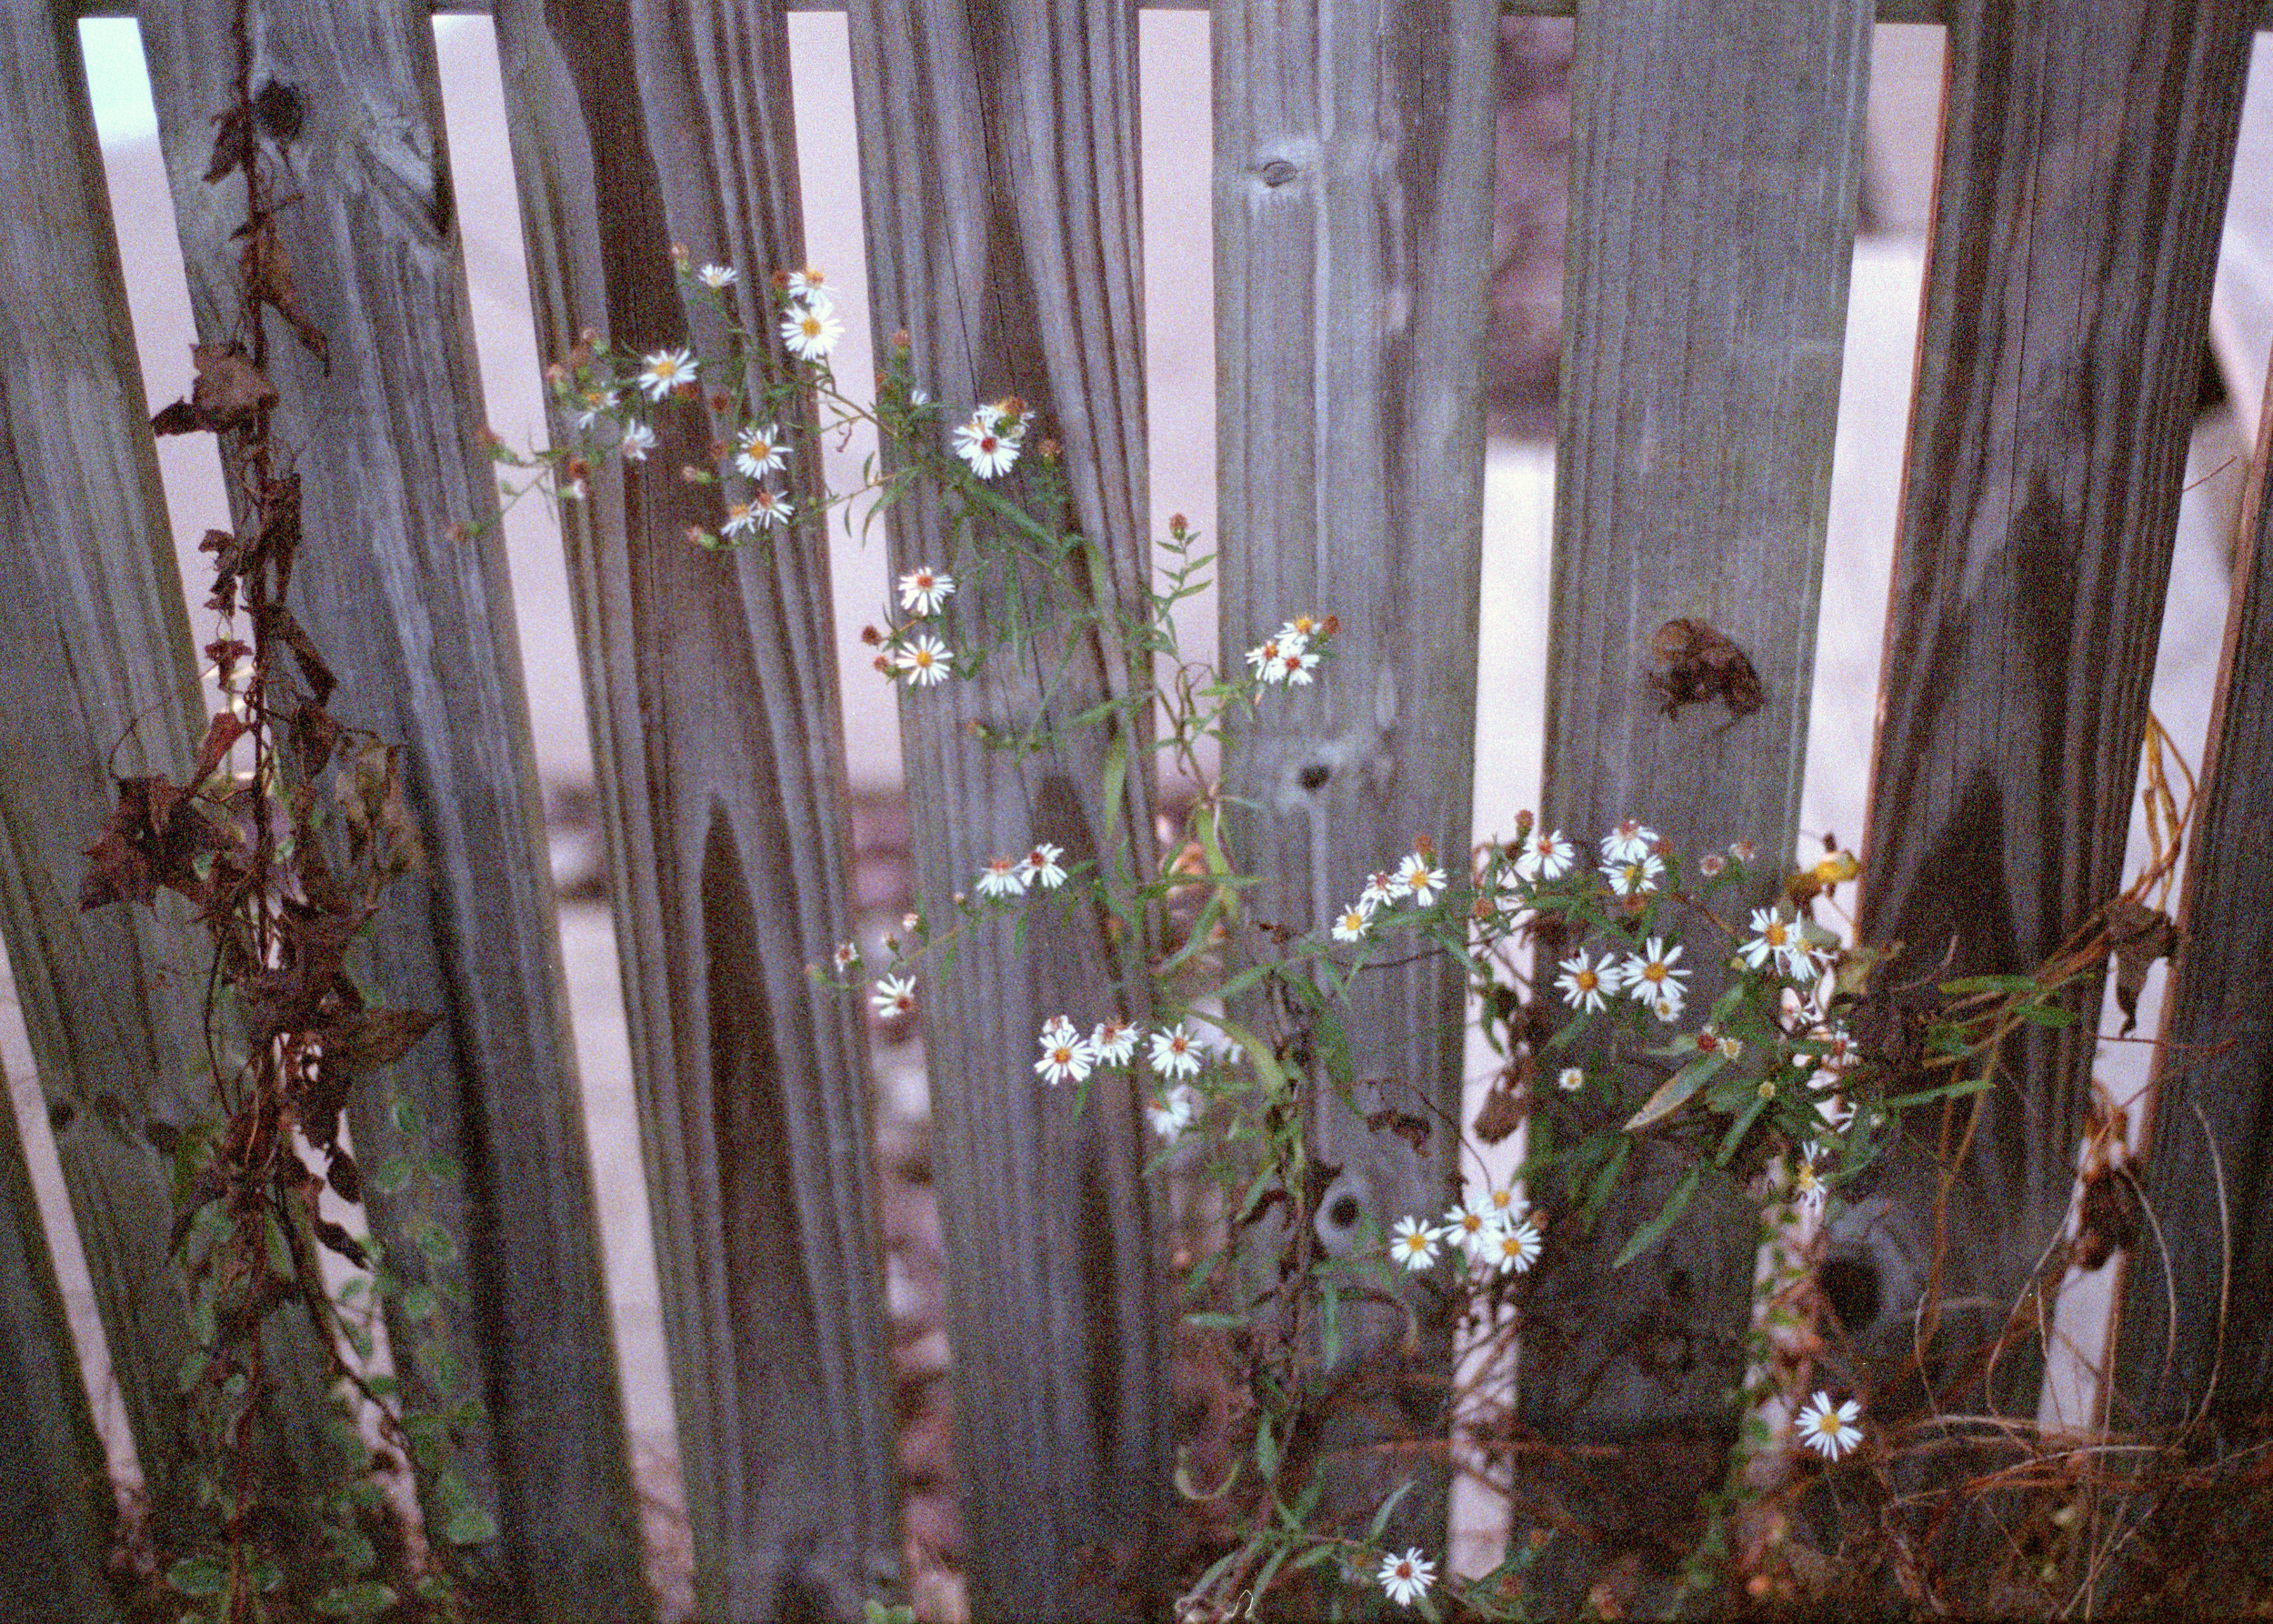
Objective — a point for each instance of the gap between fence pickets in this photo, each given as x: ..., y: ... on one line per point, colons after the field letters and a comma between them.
x: 1890, y: 11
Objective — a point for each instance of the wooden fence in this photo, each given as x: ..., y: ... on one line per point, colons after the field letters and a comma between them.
x: 1716, y: 157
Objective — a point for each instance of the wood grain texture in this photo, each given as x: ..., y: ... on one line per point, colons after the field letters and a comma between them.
x: 999, y: 168
x: 2208, y: 1174
x: 98, y: 681
x: 717, y: 727
x: 1705, y: 301
x: 2068, y: 289
x: 1353, y: 195
x: 56, y: 1505
x: 417, y: 621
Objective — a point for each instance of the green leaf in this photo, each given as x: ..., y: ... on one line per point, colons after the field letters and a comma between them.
x: 2007, y: 984
x: 1737, y: 1129
x: 1675, y: 1091
x: 1652, y: 1232
x: 2046, y: 1014
x: 196, y: 1575
x: 1957, y: 1090
x: 358, y: 1600
x: 469, y: 1525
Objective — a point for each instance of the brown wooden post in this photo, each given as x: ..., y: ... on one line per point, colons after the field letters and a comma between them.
x: 718, y: 736
x: 2066, y: 294
x: 1000, y: 166
x: 1353, y: 183
x: 402, y: 583
x: 1710, y: 239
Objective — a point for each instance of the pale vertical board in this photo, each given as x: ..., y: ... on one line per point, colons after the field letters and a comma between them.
x: 2085, y: 156
x: 1000, y: 167
x: 1353, y: 197
x: 56, y: 1506
x: 418, y: 625
x: 1716, y: 159
x: 98, y: 680
x: 715, y: 720
x: 2208, y: 1177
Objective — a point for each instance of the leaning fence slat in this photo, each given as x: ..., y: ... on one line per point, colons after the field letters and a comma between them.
x: 1353, y: 192
x: 2207, y: 1175
x: 1000, y: 167
x: 56, y: 1505
x: 711, y: 679
x: 401, y: 582
x: 1705, y: 325
x: 2067, y: 288
x: 97, y: 681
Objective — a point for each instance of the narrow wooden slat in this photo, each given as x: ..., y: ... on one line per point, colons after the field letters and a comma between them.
x: 56, y: 1506
x: 98, y: 680
x: 1711, y: 235
x: 715, y: 720
x: 1353, y: 231
x: 2208, y: 1175
x: 418, y: 625
x: 1000, y: 166
x: 2068, y: 289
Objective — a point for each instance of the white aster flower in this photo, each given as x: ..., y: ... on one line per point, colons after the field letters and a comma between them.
x: 1651, y: 976
x: 594, y: 404
x: 1473, y: 1227
x: 1582, y: 982
x: 1059, y: 1027
x: 1570, y: 1079
x: 925, y: 661
x: 1263, y: 660
x: 1421, y: 879
x: 637, y: 441
x: 665, y: 371
x: 1830, y: 1432
x: 758, y: 450
x: 1630, y: 842
x: 1066, y: 1057
x: 1349, y: 925
x: 1405, y: 1578
x: 847, y: 957
x: 1115, y: 1041
x: 1634, y: 876
x: 991, y: 440
x: 1771, y: 935
x: 740, y: 519
x: 1045, y: 867
x: 1176, y: 1052
x: 1413, y: 1243
x: 1002, y: 876
x: 1174, y: 1111
x: 1296, y: 664
x: 923, y: 589
x: 1381, y: 890
x: 1666, y: 1002
x: 715, y: 276
x: 1807, y: 1191
x: 1546, y: 856
x: 1517, y: 1247
x: 811, y: 331
x: 807, y: 287
x: 895, y: 995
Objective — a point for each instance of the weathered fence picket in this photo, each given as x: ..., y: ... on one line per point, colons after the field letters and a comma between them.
x: 1710, y: 242
x: 2068, y: 274
x: 1353, y: 227
x: 711, y: 682
x: 2196, y: 1330
x: 403, y: 585
x: 998, y: 174
x: 99, y: 682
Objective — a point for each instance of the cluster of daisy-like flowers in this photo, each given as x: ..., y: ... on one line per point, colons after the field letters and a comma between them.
x: 1291, y: 654
x: 1417, y: 879
x: 1488, y: 1229
x: 993, y: 434
x: 1175, y: 1052
x: 912, y: 652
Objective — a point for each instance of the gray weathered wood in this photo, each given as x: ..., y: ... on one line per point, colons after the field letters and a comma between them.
x: 1353, y: 186
x: 418, y: 622
x: 2208, y: 1177
x: 716, y: 725
x: 56, y: 1506
x: 2068, y: 289
x: 1000, y: 166
x: 97, y: 681
x: 1704, y: 302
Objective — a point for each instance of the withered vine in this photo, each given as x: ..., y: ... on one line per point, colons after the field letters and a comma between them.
x: 283, y: 837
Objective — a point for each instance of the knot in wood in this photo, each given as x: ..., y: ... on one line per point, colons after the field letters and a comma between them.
x: 1278, y: 172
